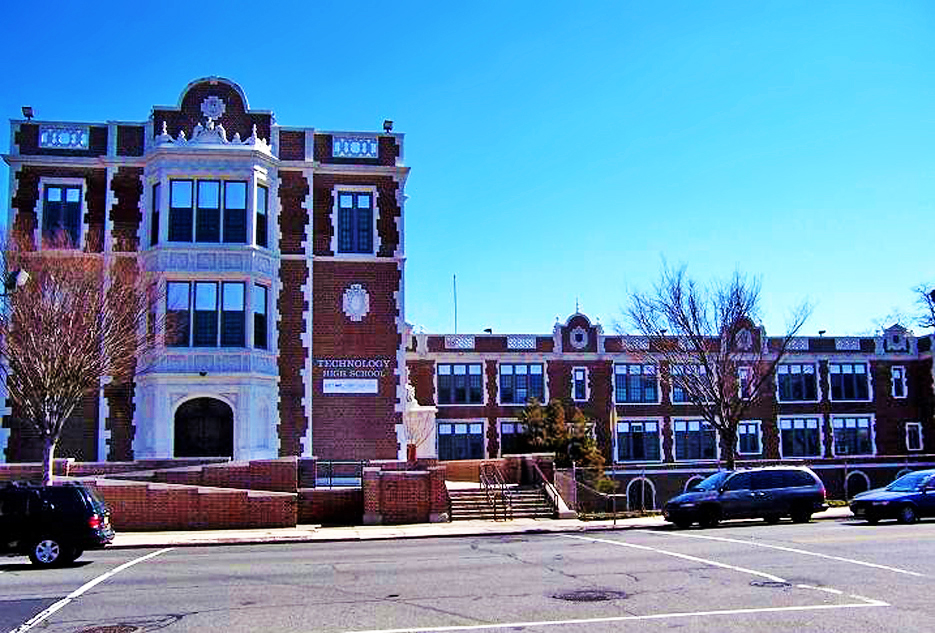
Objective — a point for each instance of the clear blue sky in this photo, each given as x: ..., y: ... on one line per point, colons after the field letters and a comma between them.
x: 560, y: 151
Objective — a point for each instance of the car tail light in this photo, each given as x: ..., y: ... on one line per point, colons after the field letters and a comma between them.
x: 824, y: 495
x: 94, y: 522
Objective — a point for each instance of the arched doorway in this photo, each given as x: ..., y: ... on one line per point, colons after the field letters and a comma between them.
x: 204, y: 427
x: 641, y: 494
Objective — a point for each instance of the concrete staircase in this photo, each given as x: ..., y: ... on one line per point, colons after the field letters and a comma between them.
x: 524, y: 502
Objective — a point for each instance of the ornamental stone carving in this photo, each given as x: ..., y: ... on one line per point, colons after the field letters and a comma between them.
x: 459, y: 341
x: 356, y: 302
x: 520, y: 341
x: 579, y: 338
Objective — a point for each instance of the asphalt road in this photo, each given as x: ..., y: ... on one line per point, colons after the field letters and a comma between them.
x: 741, y: 577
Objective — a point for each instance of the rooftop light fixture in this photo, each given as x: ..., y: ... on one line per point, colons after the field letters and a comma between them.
x: 28, y: 113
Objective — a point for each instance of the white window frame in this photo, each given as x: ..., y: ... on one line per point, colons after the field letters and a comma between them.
x: 501, y: 422
x: 640, y: 420
x: 335, y: 191
x: 759, y: 437
x: 587, y: 387
x: 655, y: 373
x: 792, y: 419
x: 457, y: 421
x: 744, y: 370
x: 921, y: 446
x: 682, y: 403
x: 898, y: 376
x: 53, y: 181
x: 688, y: 420
x: 867, y: 373
x: 819, y: 392
x: 467, y: 363
x: 842, y: 418
x: 545, y: 380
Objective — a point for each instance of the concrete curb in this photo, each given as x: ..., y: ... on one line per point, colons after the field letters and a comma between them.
x: 314, y: 533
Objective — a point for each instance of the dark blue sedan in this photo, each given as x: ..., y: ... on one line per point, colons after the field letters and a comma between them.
x: 907, y: 499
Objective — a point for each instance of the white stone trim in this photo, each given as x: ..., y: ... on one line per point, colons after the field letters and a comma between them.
x: 652, y: 487
x: 905, y: 434
x: 307, y: 372
x: 759, y: 437
x: 103, y: 433
x: 853, y: 473
x: 902, y: 380
x: 587, y: 383
x: 54, y: 181
x: 805, y: 416
x: 375, y: 201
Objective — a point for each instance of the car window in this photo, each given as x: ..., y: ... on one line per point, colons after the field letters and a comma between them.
x: 931, y: 484
x: 713, y: 482
x: 799, y: 478
x: 13, y: 503
x: 766, y: 479
x: 740, y: 481
x: 908, y: 482
x: 65, y: 499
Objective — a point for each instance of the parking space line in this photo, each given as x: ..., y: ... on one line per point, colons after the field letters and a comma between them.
x: 629, y: 618
x: 695, y: 559
x: 793, y: 550
x: 45, y: 613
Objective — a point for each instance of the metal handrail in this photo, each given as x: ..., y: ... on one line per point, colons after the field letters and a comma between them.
x: 495, y: 489
x: 540, y: 480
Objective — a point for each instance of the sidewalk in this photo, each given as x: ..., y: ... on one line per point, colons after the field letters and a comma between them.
x: 315, y: 533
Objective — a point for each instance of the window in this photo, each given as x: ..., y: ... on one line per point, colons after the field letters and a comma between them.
x: 852, y: 435
x: 208, y: 218
x: 799, y: 437
x: 262, y: 222
x: 460, y: 440
x: 740, y: 481
x: 260, y: 305
x: 212, y: 314
x: 200, y: 205
x: 748, y: 438
x: 233, y: 323
x: 513, y: 438
x: 796, y: 382
x: 460, y: 383
x: 579, y: 383
x: 913, y: 436
x: 235, y: 212
x: 638, y: 441
x: 849, y: 381
x: 178, y: 310
x: 154, y: 224
x: 521, y: 383
x: 61, y: 215
x: 682, y: 377
x: 745, y: 382
x: 355, y: 222
x: 898, y: 380
x: 180, y: 210
x: 694, y: 439
x: 635, y: 383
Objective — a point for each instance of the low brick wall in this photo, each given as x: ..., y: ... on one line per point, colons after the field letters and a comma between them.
x: 331, y: 506
x: 156, y: 506
x: 68, y: 467
x: 278, y: 475
x: 393, y: 497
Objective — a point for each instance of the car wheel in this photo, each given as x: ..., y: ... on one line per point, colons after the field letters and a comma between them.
x: 710, y: 517
x: 47, y: 552
x: 872, y: 519
x: 801, y: 515
x: 907, y: 514
x: 772, y: 519
x: 683, y: 524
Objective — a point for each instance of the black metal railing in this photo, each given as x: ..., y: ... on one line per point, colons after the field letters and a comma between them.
x: 339, y: 473
x: 496, y: 491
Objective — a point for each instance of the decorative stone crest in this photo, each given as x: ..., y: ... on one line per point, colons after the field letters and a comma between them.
x: 213, y: 107
x: 744, y: 340
x: 579, y: 338
x: 356, y: 302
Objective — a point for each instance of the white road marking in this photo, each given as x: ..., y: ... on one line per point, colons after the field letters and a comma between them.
x: 793, y: 550
x: 836, y: 592
x: 45, y: 613
x: 628, y: 618
x: 695, y: 559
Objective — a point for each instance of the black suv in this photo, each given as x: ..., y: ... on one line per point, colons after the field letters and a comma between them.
x: 769, y: 493
x: 54, y: 524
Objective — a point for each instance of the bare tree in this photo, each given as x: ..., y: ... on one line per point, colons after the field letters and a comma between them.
x: 77, y: 323
x: 710, y: 345
x: 925, y: 302
x: 418, y: 423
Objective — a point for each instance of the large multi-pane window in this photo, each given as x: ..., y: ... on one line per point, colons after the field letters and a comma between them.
x: 521, y: 382
x: 460, y: 440
x: 748, y: 437
x: 634, y: 383
x: 638, y: 440
x: 694, y: 439
x: 513, y: 439
x: 682, y: 377
x: 355, y: 222
x: 61, y: 214
x: 852, y: 435
x: 796, y: 382
x: 849, y: 381
x: 460, y: 383
x: 205, y: 314
x: 260, y: 308
x: 262, y: 215
x: 799, y: 437
x: 215, y: 209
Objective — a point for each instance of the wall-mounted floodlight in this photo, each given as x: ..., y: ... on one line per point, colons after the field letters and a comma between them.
x: 28, y: 113
x: 387, y: 126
